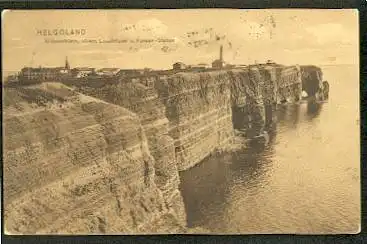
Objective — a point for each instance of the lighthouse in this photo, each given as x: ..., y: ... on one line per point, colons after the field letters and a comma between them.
x: 219, y: 63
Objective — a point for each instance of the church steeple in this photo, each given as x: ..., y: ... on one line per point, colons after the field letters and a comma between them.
x: 67, y: 65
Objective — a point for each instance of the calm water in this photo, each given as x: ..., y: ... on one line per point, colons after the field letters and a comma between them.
x: 306, y: 180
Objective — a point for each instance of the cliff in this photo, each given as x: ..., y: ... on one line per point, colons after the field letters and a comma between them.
x: 74, y: 164
x: 103, y: 156
x: 141, y: 97
x: 187, y: 115
x: 198, y: 108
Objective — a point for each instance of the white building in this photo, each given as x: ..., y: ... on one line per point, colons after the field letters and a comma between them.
x: 82, y: 72
x: 108, y: 71
x: 179, y: 66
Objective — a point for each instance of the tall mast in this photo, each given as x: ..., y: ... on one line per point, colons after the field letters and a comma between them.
x: 221, y: 53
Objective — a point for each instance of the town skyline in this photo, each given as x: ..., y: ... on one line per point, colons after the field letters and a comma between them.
x: 285, y: 36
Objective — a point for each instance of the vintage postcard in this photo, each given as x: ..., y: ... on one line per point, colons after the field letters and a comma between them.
x: 206, y: 121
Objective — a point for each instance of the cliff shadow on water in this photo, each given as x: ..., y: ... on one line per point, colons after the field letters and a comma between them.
x: 212, y: 188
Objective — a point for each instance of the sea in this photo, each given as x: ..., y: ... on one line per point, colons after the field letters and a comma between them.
x: 305, y: 181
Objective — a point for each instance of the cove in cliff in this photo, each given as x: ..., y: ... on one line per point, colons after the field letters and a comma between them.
x: 99, y: 156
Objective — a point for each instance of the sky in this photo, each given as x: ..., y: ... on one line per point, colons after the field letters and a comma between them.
x: 191, y: 36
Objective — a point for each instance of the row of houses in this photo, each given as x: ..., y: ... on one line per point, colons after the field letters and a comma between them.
x: 56, y: 73
x: 216, y: 64
x: 107, y: 72
x: 182, y: 66
x: 42, y: 73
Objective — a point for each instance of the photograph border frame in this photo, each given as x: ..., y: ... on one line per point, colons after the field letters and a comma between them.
x: 194, y: 238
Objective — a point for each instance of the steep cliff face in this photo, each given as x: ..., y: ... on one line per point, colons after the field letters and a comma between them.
x: 188, y: 115
x: 198, y: 107
x: 74, y: 164
x: 141, y: 97
x: 257, y: 90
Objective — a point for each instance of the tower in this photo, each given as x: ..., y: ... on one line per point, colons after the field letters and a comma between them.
x: 219, y: 63
x: 67, y: 65
x: 221, y: 53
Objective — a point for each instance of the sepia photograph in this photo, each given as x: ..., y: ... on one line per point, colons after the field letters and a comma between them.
x: 181, y: 121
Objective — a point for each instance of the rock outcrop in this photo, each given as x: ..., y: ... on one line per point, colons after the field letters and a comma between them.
x: 75, y: 164
x: 313, y: 84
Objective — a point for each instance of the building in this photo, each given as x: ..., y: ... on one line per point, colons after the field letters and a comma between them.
x: 179, y: 66
x: 230, y: 66
x: 241, y: 66
x: 36, y: 74
x: 204, y: 65
x: 108, y: 71
x: 219, y: 63
x: 132, y: 72
x: 82, y: 72
x: 199, y: 66
x: 44, y: 73
x: 12, y: 78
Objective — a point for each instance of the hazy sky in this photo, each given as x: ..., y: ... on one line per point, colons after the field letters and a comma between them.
x: 285, y: 36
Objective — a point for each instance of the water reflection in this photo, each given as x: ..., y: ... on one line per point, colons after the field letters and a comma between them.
x: 313, y: 109
x: 289, y: 114
x: 207, y: 187
x: 251, y: 165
